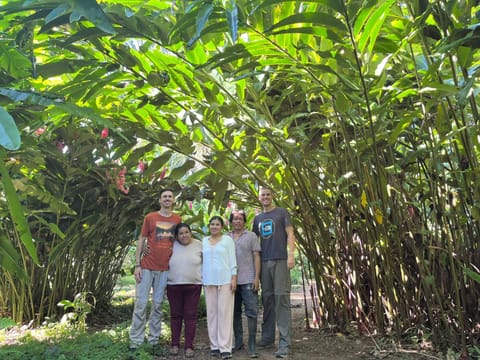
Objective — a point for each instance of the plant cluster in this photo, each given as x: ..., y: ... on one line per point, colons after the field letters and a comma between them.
x: 362, y: 116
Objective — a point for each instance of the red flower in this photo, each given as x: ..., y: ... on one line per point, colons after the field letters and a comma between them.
x: 164, y: 171
x: 120, y: 181
x: 141, y: 166
x: 104, y: 133
x: 39, y: 131
x: 411, y: 211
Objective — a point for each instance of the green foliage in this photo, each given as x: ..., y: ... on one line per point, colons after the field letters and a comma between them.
x: 76, y: 311
x: 60, y: 340
x: 362, y: 116
x: 57, y: 342
x: 6, y: 323
x: 9, y: 135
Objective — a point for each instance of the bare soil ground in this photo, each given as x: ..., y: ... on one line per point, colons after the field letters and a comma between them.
x: 307, y: 344
x: 317, y: 343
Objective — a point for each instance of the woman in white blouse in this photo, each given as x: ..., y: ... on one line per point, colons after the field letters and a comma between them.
x: 219, y: 275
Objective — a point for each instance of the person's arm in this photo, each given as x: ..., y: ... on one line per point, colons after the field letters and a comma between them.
x: 138, y: 257
x: 291, y: 246
x: 233, y: 283
x: 232, y: 261
x: 257, y: 264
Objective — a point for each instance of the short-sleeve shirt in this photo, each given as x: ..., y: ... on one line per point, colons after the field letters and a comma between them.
x: 159, y: 231
x: 186, y: 264
x: 246, y: 244
x: 270, y: 227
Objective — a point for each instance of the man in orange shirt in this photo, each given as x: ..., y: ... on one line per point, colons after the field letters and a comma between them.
x: 154, y: 249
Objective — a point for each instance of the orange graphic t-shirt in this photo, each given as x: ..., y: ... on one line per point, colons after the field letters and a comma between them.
x: 159, y: 231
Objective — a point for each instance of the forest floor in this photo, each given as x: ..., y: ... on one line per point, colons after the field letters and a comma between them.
x: 315, y: 343
x: 107, y: 338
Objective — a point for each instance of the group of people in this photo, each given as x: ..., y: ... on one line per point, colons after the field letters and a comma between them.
x: 230, y: 266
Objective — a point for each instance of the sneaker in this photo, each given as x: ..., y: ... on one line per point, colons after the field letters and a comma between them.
x: 189, y: 353
x: 265, y: 344
x: 281, y: 354
x: 215, y: 353
x: 226, y: 355
x: 174, y: 350
x: 238, y: 348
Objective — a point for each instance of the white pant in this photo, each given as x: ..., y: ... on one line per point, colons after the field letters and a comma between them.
x: 220, y: 300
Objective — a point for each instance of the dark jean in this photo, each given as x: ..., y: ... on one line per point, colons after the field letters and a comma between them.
x: 244, y: 295
x: 183, y: 300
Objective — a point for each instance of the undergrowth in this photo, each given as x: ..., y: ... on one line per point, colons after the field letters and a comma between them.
x: 105, y: 337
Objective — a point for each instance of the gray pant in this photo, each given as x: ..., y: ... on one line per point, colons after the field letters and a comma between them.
x: 157, y: 281
x: 276, y: 284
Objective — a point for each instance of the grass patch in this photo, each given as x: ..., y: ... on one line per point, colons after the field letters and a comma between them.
x: 106, y: 336
x: 58, y: 342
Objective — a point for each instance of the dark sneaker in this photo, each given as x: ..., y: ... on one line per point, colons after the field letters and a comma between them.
x: 238, y: 348
x: 265, y: 344
x: 215, y: 353
x: 226, y: 355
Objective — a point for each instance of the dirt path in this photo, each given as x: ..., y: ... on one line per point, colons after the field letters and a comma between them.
x: 312, y: 345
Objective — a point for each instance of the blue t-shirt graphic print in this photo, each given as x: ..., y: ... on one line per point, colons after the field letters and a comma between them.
x: 267, y: 227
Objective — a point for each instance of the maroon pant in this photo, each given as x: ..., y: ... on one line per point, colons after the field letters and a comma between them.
x: 183, y: 301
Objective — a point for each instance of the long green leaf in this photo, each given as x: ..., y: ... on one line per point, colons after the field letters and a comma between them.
x: 201, y: 20
x: 60, y: 10
x: 68, y: 108
x: 316, y: 18
x: 374, y: 21
x: 472, y: 274
x: 9, y: 135
x: 332, y: 4
x: 9, y: 258
x: 232, y: 20
x: 93, y: 12
x: 15, y: 209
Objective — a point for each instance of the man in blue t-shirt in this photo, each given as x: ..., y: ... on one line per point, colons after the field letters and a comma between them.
x: 277, y: 241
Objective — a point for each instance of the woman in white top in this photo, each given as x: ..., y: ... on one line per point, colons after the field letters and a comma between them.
x: 219, y: 277
x: 184, y: 286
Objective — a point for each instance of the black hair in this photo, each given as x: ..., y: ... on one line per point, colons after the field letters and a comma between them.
x: 216, y: 217
x: 181, y: 225
x: 241, y: 212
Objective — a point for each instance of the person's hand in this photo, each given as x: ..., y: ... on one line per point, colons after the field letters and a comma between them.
x: 146, y: 250
x: 138, y: 274
x: 291, y: 261
x: 256, y: 285
x: 233, y: 284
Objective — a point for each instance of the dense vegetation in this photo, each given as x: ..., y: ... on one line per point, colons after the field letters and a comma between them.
x: 362, y: 115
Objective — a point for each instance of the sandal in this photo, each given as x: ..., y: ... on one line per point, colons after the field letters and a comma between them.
x: 189, y: 353
x: 174, y: 350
